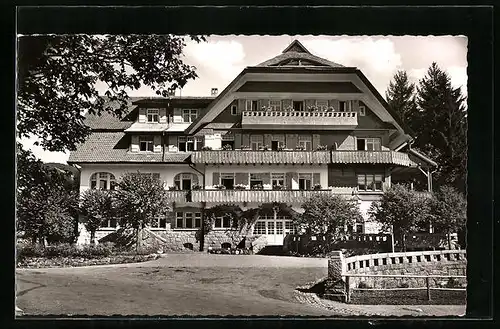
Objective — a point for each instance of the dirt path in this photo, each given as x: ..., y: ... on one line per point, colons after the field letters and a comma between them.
x: 193, y: 284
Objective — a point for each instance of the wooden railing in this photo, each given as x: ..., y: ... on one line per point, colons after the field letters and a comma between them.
x: 374, y: 260
x: 177, y: 195
x: 262, y: 196
x: 299, y: 118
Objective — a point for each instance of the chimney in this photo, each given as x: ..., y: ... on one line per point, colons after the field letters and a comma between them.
x: 215, y: 91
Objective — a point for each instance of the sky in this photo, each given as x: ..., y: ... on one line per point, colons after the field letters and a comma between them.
x: 221, y: 58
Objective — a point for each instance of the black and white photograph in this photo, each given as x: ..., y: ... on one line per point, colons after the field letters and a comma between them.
x: 242, y: 175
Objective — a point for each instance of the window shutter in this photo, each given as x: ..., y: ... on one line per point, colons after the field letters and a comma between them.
x: 288, y: 180
x: 315, y: 141
x: 237, y: 141
x: 195, y: 180
x: 241, y: 106
x: 316, y: 178
x: 178, y: 115
x: 163, y: 115
x: 134, y: 145
x: 334, y: 103
x: 267, y: 139
x: 310, y: 102
x: 157, y: 144
x: 142, y: 115
x: 355, y: 105
x: 291, y: 141
x: 295, y: 177
x: 215, y: 178
x: 245, y: 140
x: 287, y: 103
x: 241, y: 178
x: 263, y: 102
x: 172, y: 141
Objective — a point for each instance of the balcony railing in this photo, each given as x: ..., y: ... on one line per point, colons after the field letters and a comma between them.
x: 299, y: 119
x: 262, y: 196
x: 177, y: 196
x: 372, y: 157
x: 261, y: 157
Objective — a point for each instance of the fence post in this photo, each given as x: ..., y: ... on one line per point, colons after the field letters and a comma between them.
x: 336, y: 268
x: 428, y: 284
x: 348, y: 289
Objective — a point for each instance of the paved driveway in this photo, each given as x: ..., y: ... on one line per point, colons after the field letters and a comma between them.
x: 182, y: 284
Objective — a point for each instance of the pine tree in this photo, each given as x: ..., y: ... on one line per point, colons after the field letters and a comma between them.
x: 440, y: 126
x: 400, y: 96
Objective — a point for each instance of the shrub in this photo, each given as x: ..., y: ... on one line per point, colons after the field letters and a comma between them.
x: 25, y: 250
x: 95, y: 251
x: 404, y: 285
x: 363, y: 285
x: 59, y: 250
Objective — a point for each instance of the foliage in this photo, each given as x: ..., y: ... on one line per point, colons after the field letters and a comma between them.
x: 449, y: 210
x: 400, y: 96
x: 29, y: 250
x: 138, y: 199
x: 441, y: 126
x: 57, y: 77
x: 96, y: 206
x: 46, y: 204
x: 328, y: 215
x: 403, y: 211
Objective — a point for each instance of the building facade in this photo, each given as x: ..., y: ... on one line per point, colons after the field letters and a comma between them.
x: 281, y: 131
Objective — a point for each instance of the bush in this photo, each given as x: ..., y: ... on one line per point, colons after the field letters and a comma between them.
x: 95, y: 251
x: 59, y: 250
x: 26, y: 250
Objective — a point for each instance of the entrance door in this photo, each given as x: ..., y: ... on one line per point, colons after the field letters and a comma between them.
x: 274, y: 228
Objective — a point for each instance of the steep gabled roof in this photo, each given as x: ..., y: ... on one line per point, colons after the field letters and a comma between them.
x: 297, y: 54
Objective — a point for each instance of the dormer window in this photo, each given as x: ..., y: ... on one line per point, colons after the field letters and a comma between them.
x: 189, y: 115
x: 153, y: 115
x: 146, y: 143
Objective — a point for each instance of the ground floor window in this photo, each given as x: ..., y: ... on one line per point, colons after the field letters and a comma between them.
x: 111, y: 223
x: 103, y: 181
x: 159, y: 222
x: 187, y: 219
x: 222, y: 222
x: 281, y: 225
x: 370, y: 182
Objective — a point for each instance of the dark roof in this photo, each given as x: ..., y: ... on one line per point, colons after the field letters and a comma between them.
x: 108, y: 147
x: 296, y: 51
x: 108, y: 121
x: 275, y: 157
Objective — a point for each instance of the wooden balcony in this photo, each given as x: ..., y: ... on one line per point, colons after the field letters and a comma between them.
x: 261, y: 196
x: 298, y: 120
x: 372, y: 157
x: 261, y: 157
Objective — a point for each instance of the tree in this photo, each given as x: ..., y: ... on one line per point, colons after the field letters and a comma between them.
x: 401, y: 211
x: 96, y: 206
x: 328, y: 215
x: 57, y: 76
x: 440, y: 125
x: 46, y: 203
x: 400, y: 96
x: 449, y: 211
x: 139, y: 199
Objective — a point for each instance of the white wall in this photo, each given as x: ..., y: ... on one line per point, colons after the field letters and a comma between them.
x: 167, y: 171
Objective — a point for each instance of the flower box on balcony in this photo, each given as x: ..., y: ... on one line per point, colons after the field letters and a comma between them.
x: 257, y: 187
x: 317, y: 187
x: 240, y: 187
x: 219, y: 187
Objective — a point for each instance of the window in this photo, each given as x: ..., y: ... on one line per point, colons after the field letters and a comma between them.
x: 275, y: 105
x: 368, y: 144
x: 110, y: 223
x: 279, y: 227
x: 255, y: 179
x: 305, y: 141
x: 362, y: 111
x: 277, y: 180
x: 153, y: 115
x: 298, y: 105
x: 248, y: 105
x: 289, y: 227
x: 260, y: 227
x: 184, y: 181
x: 190, y: 143
x: 344, y: 106
x: 222, y: 222
x: 359, y: 228
x: 102, y: 181
x: 234, y: 110
x: 270, y: 227
x: 305, y: 181
x: 370, y: 182
x: 159, y: 223
x: 189, y: 115
x: 188, y: 220
x: 155, y: 175
x: 227, y: 179
x: 322, y: 104
x: 277, y: 142
x: 146, y: 143
x: 256, y: 142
